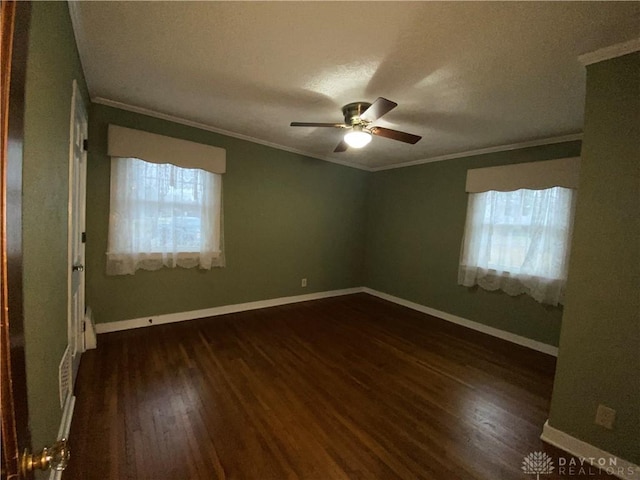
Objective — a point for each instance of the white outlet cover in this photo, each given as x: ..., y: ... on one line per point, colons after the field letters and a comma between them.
x: 605, y: 416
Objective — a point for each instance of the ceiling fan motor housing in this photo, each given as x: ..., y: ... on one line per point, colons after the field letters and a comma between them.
x: 352, y: 112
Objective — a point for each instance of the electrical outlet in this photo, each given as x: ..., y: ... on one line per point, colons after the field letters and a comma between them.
x: 605, y: 416
x: 303, y: 282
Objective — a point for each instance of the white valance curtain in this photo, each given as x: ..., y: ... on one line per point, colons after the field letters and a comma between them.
x: 518, y: 241
x: 563, y: 172
x: 150, y: 147
x: 166, y: 209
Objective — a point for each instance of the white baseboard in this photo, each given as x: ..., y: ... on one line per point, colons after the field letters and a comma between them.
x: 214, y: 311
x: 241, y: 307
x: 67, y: 416
x: 480, y: 327
x: 65, y: 427
x: 583, y: 450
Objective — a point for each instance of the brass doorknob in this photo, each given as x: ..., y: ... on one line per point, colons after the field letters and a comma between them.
x: 55, y: 457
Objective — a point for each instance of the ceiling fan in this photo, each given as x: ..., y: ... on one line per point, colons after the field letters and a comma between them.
x: 358, y: 117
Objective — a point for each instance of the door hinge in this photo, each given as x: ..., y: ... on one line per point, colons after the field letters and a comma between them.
x: 84, y: 237
x: 84, y: 326
x: 85, y: 144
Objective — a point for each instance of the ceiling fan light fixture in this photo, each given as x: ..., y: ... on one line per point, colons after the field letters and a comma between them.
x: 357, y: 138
x: 358, y: 120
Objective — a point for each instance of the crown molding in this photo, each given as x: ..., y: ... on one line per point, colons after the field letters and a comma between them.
x: 613, y: 51
x: 209, y: 128
x: 482, y: 151
x: 78, y: 31
x: 202, y: 126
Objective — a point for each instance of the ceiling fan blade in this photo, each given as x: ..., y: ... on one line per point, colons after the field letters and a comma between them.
x: 342, y: 147
x: 378, y: 109
x: 314, y: 124
x: 395, y: 135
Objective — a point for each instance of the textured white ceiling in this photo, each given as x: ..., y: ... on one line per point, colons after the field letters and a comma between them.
x: 466, y: 75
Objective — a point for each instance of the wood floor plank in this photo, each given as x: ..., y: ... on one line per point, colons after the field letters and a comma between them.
x: 350, y: 387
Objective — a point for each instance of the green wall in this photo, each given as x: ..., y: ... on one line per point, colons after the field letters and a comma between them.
x: 398, y: 231
x: 599, y: 360
x: 415, y: 223
x: 52, y: 65
x: 286, y: 217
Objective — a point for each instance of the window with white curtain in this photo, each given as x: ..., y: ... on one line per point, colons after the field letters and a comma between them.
x: 518, y: 241
x: 162, y: 215
x: 166, y: 202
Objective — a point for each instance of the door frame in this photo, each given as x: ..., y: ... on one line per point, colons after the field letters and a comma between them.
x: 16, y: 436
x: 76, y: 213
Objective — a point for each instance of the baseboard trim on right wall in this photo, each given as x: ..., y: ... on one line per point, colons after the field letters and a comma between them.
x: 583, y: 450
x: 480, y: 327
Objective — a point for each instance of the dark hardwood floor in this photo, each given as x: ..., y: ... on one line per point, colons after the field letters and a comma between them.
x: 344, y: 388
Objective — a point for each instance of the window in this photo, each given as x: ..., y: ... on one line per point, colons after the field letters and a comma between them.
x: 518, y: 230
x: 518, y: 242
x: 163, y: 215
x: 166, y: 202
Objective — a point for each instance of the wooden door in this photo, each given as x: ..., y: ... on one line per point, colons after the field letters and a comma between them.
x: 15, y: 431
